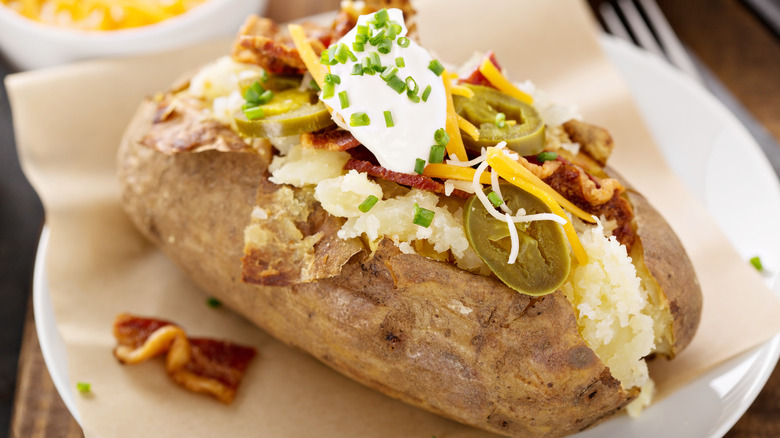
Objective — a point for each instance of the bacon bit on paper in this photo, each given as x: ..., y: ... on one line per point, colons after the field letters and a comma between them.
x: 200, y: 365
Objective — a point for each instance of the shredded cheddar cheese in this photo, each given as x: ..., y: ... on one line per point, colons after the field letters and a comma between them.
x: 455, y: 146
x: 491, y: 73
x: 306, y: 51
x: 460, y: 90
x: 468, y: 128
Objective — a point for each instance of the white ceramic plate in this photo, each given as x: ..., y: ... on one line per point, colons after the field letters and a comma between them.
x: 701, y: 139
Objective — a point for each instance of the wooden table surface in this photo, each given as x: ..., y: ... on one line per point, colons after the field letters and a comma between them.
x: 730, y: 41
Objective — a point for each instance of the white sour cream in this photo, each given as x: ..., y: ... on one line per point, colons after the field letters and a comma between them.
x: 411, y: 137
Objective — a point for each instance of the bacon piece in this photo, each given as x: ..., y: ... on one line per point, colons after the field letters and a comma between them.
x: 476, y: 77
x: 329, y: 139
x: 200, y: 365
x: 417, y: 181
x: 261, y: 41
x: 594, y: 141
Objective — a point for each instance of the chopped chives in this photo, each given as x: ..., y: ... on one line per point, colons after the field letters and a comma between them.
x: 266, y: 97
x: 369, y: 203
x: 362, y: 29
x: 437, y: 154
x: 359, y: 119
x: 396, y: 84
x: 413, y: 97
x: 358, y: 47
x: 399, y: 62
x: 500, y: 120
x: 411, y: 85
x: 419, y: 166
x: 495, y: 199
x: 343, y: 53
x: 313, y: 85
x: 253, y: 93
x: 422, y: 216
x: 366, y: 64
x: 264, y: 76
x: 375, y: 62
x: 328, y: 89
x: 254, y: 112
x: 331, y: 78
x: 389, y: 119
x: 361, y: 38
x: 357, y: 69
x: 426, y: 93
x: 436, y: 67
x: 376, y: 39
x: 441, y: 137
x: 756, y: 262
x: 343, y: 99
x: 385, y: 46
x: 403, y: 42
x: 395, y: 29
x: 213, y: 302
x: 83, y: 387
x: 546, y: 156
x: 332, y: 60
x: 389, y: 71
x: 381, y: 17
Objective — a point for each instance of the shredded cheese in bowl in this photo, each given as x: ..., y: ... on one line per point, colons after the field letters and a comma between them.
x: 102, y: 15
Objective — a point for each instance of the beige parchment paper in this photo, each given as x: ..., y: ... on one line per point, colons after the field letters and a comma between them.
x: 69, y: 121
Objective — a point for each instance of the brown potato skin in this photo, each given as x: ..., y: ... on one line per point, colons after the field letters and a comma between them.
x: 398, y: 323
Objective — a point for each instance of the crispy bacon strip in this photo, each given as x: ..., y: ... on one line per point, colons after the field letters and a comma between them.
x: 329, y: 139
x: 200, y: 365
x: 261, y: 41
x: 405, y: 179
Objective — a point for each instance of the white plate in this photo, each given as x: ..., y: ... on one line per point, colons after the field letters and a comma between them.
x: 701, y: 139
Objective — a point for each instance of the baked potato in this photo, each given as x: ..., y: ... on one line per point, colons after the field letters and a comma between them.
x: 411, y: 324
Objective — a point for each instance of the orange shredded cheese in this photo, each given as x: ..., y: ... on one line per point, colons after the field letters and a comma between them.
x: 491, y: 73
x: 460, y: 90
x: 306, y: 51
x: 468, y: 128
x: 455, y: 146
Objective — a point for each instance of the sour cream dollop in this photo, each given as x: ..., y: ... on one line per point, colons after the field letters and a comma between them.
x: 397, y: 148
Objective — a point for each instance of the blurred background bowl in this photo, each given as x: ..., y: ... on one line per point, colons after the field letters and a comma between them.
x: 28, y: 44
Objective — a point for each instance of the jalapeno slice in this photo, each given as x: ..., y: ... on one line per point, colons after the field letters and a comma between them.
x: 523, y: 130
x: 304, y: 118
x: 543, y: 262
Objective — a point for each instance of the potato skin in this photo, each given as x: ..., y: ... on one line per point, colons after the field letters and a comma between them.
x: 460, y: 345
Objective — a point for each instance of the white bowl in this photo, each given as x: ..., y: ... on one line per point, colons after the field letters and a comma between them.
x: 27, y: 44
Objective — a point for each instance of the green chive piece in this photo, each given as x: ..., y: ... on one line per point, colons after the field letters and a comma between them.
x: 399, y: 62
x: 253, y: 93
x: 437, y: 154
x: 413, y: 97
x: 500, y: 120
x: 389, y: 71
x: 436, y: 67
x: 83, y: 387
x: 359, y: 119
x: 546, y: 156
x: 343, y: 54
x: 332, y: 60
x: 376, y: 63
x: 394, y: 30
x: 756, y: 262
x: 376, y: 39
x: 254, y: 112
x: 328, y: 89
x: 441, y: 137
x: 367, y: 68
x: 358, y: 47
x: 384, y: 46
x: 426, y: 93
x: 403, y: 42
x: 494, y: 199
x: 422, y: 216
x: 370, y: 201
x: 357, y: 69
x: 313, y: 85
x: 396, y: 84
x: 411, y: 85
x: 266, y: 97
x: 381, y: 17
x: 330, y: 78
x: 213, y: 302
x: 343, y: 99
x: 389, y: 119
x: 362, y: 29
x: 264, y: 76
x: 361, y: 38
x: 419, y: 166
